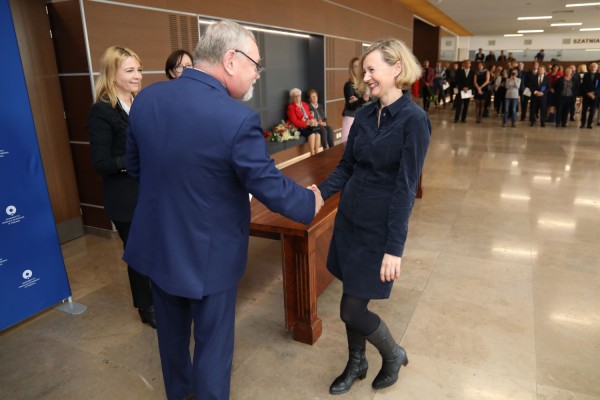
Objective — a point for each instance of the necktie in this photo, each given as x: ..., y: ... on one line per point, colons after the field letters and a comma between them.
x: 540, y: 80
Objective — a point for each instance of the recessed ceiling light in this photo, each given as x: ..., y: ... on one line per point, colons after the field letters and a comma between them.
x: 590, y: 29
x: 582, y: 4
x: 513, y: 34
x: 531, y: 31
x: 592, y: 49
x: 542, y: 17
x: 567, y: 24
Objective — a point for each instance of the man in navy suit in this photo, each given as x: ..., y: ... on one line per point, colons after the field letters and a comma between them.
x: 539, y: 95
x: 197, y: 153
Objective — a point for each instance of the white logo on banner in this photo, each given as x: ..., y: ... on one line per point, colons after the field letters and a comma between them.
x: 29, y: 281
x: 13, y: 217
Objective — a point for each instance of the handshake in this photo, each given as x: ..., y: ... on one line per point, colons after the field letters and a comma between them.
x: 318, y: 198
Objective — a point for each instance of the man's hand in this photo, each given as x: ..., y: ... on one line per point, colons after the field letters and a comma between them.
x: 318, y: 198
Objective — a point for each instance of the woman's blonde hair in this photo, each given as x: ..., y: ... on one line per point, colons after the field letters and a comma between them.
x: 110, y: 62
x: 393, y: 51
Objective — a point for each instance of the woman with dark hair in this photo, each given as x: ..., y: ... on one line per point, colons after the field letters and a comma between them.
x: 378, y: 176
x: 318, y: 113
x: 120, y: 80
x: 177, y: 62
x: 481, y: 81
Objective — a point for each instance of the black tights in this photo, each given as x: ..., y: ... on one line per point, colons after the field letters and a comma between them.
x: 356, y: 315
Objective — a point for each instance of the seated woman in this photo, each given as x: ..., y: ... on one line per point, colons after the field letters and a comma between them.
x: 177, y: 62
x: 318, y: 113
x: 299, y: 114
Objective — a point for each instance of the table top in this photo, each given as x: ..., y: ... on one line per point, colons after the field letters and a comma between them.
x: 311, y: 170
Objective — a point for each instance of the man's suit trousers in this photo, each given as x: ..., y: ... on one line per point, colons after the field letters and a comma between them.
x: 208, y: 375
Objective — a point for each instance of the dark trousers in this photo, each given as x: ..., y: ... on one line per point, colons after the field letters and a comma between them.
x: 451, y: 91
x: 208, y: 375
x: 538, y: 103
x: 426, y: 93
x: 461, y: 105
x: 524, y: 103
x: 564, y: 106
x: 140, y: 284
x: 326, y: 136
x: 587, y: 111
x: 438, y: 90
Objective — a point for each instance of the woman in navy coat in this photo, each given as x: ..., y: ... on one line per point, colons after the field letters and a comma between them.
x: 378, y: 176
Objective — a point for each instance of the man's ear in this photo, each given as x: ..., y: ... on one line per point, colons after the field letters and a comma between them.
x: 228, y: 62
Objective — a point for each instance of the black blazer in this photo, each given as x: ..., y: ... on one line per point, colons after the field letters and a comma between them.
x: 350, y: 108
x: 462, y: 80
x: 318, y: 112
x: 536, y: 87
x: 590, y: 83
x: 107, y: 128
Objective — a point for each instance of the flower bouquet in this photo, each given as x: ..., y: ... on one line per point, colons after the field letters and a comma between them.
x: 282, y: 132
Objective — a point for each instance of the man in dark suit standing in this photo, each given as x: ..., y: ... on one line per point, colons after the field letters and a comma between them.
x: 590, y: 90
x: 464, y: 83
x: 527, y: 82
x: 196, y: 161
x: 539, y: 95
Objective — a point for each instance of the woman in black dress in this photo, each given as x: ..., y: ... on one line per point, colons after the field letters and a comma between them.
x: 378, y: 176
x: 119, y: 81
x: 481, y: 80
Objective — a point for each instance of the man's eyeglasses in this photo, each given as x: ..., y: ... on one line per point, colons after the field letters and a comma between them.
x: 258, y: 67
x: 180, y: 67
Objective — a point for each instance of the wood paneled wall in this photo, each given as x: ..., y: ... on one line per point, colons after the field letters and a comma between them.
x: 39, y: 66
x: 147, y: 27
x: 426, y: 42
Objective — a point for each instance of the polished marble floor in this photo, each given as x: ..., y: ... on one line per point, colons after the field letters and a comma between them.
x: 499, y: 296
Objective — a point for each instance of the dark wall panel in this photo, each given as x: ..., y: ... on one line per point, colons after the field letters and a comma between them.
x: 426, y: 45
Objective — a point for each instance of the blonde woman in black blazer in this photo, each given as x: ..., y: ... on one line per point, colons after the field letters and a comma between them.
x: 120, y: 80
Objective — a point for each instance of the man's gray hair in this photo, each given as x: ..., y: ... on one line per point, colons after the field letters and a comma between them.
x: 219, y: 38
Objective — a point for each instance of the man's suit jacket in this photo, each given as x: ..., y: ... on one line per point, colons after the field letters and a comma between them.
x: 590, y: 84
x: 463, y: 80
x: 197, y: 159
x: 107, y: 128
x: 535, y: 85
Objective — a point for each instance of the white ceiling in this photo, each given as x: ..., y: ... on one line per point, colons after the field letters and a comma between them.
x: 498, y: 17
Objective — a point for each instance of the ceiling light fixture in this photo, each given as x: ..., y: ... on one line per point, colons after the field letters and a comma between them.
x: 589, y: 29
x: 541, y: 17
x: 531, y: 31
x: 513, y: 34
x: 582, y: 4
x: 567, y: 24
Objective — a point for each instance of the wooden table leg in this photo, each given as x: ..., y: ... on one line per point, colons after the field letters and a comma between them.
x: 300, y: 289
x: 419, y: 189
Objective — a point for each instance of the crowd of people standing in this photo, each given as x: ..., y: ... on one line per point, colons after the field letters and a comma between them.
x: 551, y: 93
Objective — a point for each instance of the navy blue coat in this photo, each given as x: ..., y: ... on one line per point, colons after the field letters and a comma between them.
x: 197, y: 153
x: 378, y: 175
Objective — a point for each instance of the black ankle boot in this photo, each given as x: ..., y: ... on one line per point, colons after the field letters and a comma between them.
x: 147, y: 316
x: 393, y: 356
x: 357, y: 365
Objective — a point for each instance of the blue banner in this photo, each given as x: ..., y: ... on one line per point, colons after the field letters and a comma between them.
x: 32, y: 271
